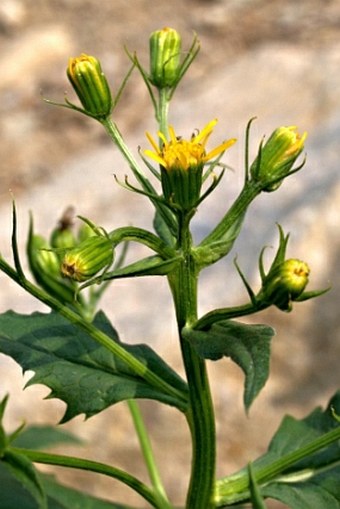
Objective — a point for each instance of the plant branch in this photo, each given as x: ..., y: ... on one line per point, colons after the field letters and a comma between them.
x: 92, y: 466
x: 149, y: 459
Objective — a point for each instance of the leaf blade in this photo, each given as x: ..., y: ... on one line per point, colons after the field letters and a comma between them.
x: 79, y: 371
x: 247, y: 345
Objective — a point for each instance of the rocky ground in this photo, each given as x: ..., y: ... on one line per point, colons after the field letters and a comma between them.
x: 277, y: 60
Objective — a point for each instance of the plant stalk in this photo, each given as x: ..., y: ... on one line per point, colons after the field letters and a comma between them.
x: 92, y: 466
x: 147, y: 452
x: 200, y: 415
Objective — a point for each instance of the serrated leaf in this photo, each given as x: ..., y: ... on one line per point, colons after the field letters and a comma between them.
x: 247, y: 345
x: 79, y: 371
x: 20, y: 485
x: 62, y: 497
x: 42, y: 437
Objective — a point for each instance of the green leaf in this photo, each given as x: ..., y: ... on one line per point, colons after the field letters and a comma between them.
x: 20, y: 485
x: 62, y: 497
x: 78, y: 370
x: 301, y: 467
x: 322, y: 491
x: 150, y: 266
x: 313, y: 482
x: 209, y: 252
x: 162, y: 229
x: 42, y: 437
x: 247, y: 345
x: 294, y: 434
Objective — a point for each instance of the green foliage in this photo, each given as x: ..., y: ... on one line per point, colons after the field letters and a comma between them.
x: 20, y: 484
x: 41, y: 437
x: 84, y: 363
x: 85, y: 375
x: 62, y: 497
x: 247, y: 345
x: 314, y: 481
x: 301, y: 467
x: 23, y: 488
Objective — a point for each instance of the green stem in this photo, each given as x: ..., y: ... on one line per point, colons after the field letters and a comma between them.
x: 113, y: 132
x: 134, y: 234
x: 163, y: 111
x: 92, y: 466
x: 146, y: 448
x: 115, y: 135
x: 201, y: 414
x: 228, y: 313
x: 238, y: 208
x: 137, y: 367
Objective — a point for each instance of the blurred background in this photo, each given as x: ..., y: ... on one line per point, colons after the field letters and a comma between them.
x: 278, y: 60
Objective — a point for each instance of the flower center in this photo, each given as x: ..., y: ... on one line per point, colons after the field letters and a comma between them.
x: 182, y: 154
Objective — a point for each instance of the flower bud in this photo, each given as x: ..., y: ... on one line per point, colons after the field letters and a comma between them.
x: 277, y: 157
x: 165, y: 49
x: 90, y: 85
x: 62, y: 238
x: 41, y: 258
x: 87, y: 258
x: 85, y: 231
x: 286, y: 283
x: 44, y: 264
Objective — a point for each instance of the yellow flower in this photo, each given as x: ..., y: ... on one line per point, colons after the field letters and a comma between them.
x: 181, y: 164
x: 183, y: 154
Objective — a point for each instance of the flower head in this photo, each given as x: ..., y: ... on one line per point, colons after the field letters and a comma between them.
x: 286, y: 282
x: 87, y: 258
x: 90, y: 84
x: 277, y: 157
x: 182, y: 161
x: 165, y: 50
x: 179, y: 153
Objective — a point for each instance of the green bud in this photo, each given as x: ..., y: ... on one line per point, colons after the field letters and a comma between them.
x: 85, y: 231
x: 44, y: 264
x: 62, y: 239
x: 87, y: 258
x: 41, y: 258
x: 285, y: 283
x: 277, y: 157
x: 62, y: 236
x: 90, y: 84
x: 165, y: 65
